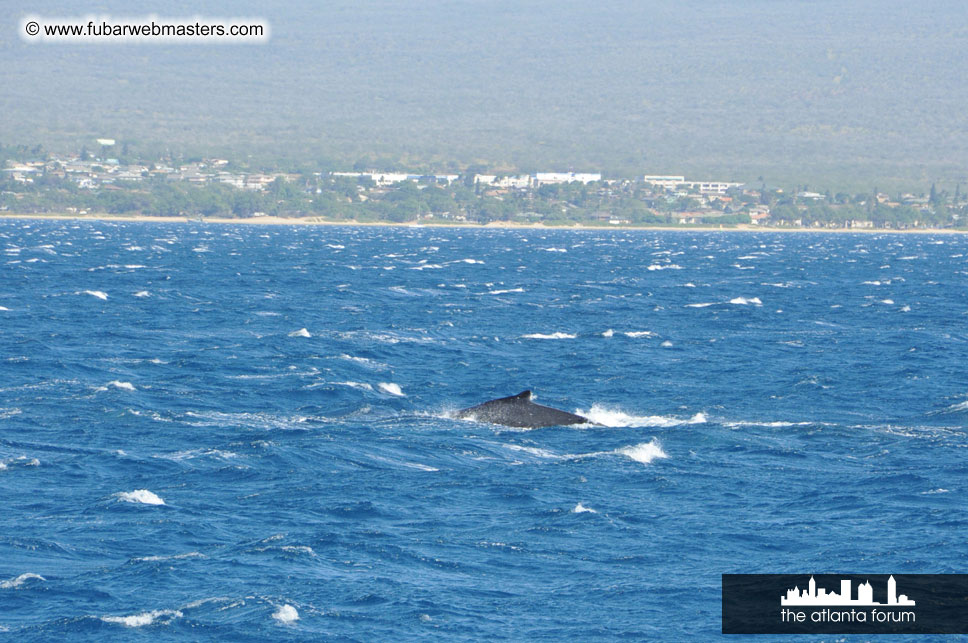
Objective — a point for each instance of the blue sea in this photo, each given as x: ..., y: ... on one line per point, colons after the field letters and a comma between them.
x: 246, y: 432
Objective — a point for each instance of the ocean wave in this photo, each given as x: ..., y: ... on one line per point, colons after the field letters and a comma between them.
x: 286, y: 614
x: 504, y: 292
x: 384, y: 337
x: 558, y: 335
x: 191, y: 454
x: 664, y: 266
x: 21, y: 461
x: 153, y: 559
x: 644, y: 453
x: 142, y: 293
x: 615, y: 418
x: 362, y: 386
x: 608, y: 333
x: 20, y: 580
x: 582, y: 509
x: 702, y: 305
x: 265, y: 421
x: 124, y: 386
x: 302, y: 332
x: 957, y: 408
x: 142, y: 496
x: 145, y: 618
x: 744, y: 301
x: 634, y: 334
x: 391, y: 388
x: 365, y: 361
x: 100, y: 294
x: 772, y: 425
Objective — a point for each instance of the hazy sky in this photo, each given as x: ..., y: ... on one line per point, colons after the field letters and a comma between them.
x: 737, y: 88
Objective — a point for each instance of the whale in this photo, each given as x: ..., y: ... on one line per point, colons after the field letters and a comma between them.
x: 519, y: 411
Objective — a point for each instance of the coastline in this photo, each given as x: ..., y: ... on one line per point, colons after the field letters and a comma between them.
x: 498, y: 225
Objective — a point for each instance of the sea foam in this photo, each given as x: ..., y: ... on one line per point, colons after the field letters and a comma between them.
x: 744, y: 301
x: 644, y: 453
x: 391, y: 388
x: 615, y: 418
x: 20, y: 580
x: 286, y: 614
x: 142, y: 496
x: 145, y: 618
x: 557, y: 335
x: 302, y: 332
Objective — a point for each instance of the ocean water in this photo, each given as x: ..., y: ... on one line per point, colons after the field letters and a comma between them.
x: 247, y: 432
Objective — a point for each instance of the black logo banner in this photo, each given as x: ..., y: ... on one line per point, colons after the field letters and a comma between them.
x: 845, y: 604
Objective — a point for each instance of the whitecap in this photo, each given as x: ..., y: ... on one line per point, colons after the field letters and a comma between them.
x: 743, y: 301
x: 704, y: 305
x: 125, y: 386
x: 608, y: 333
x: 504, y: 292
x: 558, y: 335
x: 615, y: 418
x: 644, y: 453
x: 142, y: 293
x: 145, y: 618
x: 582, y: 509
x: 152, y: 559
x: 20, y: 580
x: 666, y: 344
x: 142, y: 496
x: 639, y: 333
x: 905, y: 309
x: 537, y: 452
x: 3, y: 308
x: 100, y: 294
x: 366, y: 361
x: 362, y: 386
x: 298, y: 549
x: 286, y: 614
x: 666, y: 266
x: 887, y: 301
x: 302, y: 332
x: 391, y: 388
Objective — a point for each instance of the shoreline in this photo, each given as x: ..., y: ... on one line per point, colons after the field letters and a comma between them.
x: 496, y: 225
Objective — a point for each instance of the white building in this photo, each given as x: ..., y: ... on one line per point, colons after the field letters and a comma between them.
x: 664, y: 181
x: 520, y: 182
x: 545, y: 178
x: 670, y: 182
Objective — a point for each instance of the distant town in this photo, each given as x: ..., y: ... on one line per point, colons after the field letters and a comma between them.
x: 107, y: 181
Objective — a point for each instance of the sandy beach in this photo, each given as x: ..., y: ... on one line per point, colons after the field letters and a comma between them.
x: 436, y: 224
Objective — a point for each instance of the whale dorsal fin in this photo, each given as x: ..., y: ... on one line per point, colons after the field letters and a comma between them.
x: 523, y: 395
